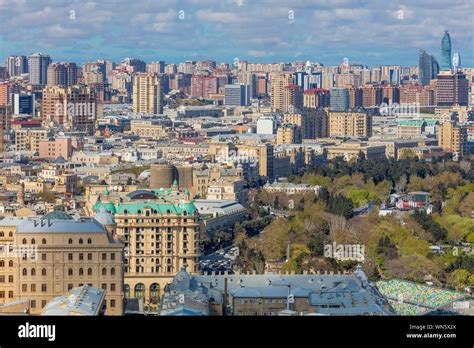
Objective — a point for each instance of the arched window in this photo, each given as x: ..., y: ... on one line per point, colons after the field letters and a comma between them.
x: 80, y: 241
x: 126, y: 291
x: 69, y: 272
x: 43, y: 272
x: 43, y: 241
x: 24, y: 272
x: 33, y: 272
x: 154, y: 293
x: 125, y: 211
x: 70, y: 241
x: 139, y: 212
x: 104, y: 271
x: 185, y: 213
x: 89, y: 271
x: 10, y: 234
x: 1, y: 234
x: 81, y: 271
x: 89, y: 241
x: 112, y: 271
x: 10, y: 263
x: 24, y: 240
x: 168, y: 211
x: 2, y: 263
x: 139, y: 290
x: 33, y: 241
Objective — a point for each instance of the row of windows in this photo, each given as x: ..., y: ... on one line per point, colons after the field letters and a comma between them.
x: 2, y: 294
x: 70, y: 272
x: 2, y: 279
x: 24, y: 287
x: 139, y: 291
x: 33, y: 241
x: 89, y: 271
x: 89, y: 256
x: 10, y: 234
x: 43, y: 241
x: 33, y: 272
x: 2, y: 263
x: 148, y: 212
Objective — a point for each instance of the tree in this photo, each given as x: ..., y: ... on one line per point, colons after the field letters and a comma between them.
x: 386, y: 248
x: 429, y: 225
x: 460, y: 278
x: 340, y: 205
x: 276, y: 202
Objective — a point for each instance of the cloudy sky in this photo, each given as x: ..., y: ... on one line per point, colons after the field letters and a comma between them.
x: 365, y: 31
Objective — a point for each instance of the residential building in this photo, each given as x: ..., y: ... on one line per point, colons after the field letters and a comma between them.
x: 350, y: 124
x: 147, y: 94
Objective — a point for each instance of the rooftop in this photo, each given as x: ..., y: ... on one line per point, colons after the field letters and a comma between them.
x: 84, y: 300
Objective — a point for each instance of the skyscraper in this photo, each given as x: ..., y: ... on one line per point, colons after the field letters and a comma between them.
x: 339, y: 99
x: 456, y: 61
x: 293, y: 98
x: 278, y: 84
x: 428, y: 68
x: 446, y: 52
x: 147, y: 93
x: 38, y: 67
x: 17, y: 65
x: 62, y: 74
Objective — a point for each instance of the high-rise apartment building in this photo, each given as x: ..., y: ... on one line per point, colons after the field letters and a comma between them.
x: 16, y: 65
x: 277, y: 90
x: 38, y: 68
x: 288, y: 134
x: 313, y: 124
x: 355, y: 97
x: 453, y: 138
x: 148, y: 93
x: 422, y: 95
x: 134, y: 65
x: 316, y: 98
x: 202, y: 86
x: 156, y: 67
x: 372, y: 95
x: 62, y: 74
x: 350, y: 124
x: 75, y: 108
x: 293, y: 98
x: 451, y: 89
x: 249, y: 79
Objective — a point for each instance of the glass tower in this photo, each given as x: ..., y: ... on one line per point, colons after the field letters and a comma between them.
x: 446, y: 52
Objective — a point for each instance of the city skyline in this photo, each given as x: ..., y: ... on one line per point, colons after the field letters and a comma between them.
x: 226, y: 30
